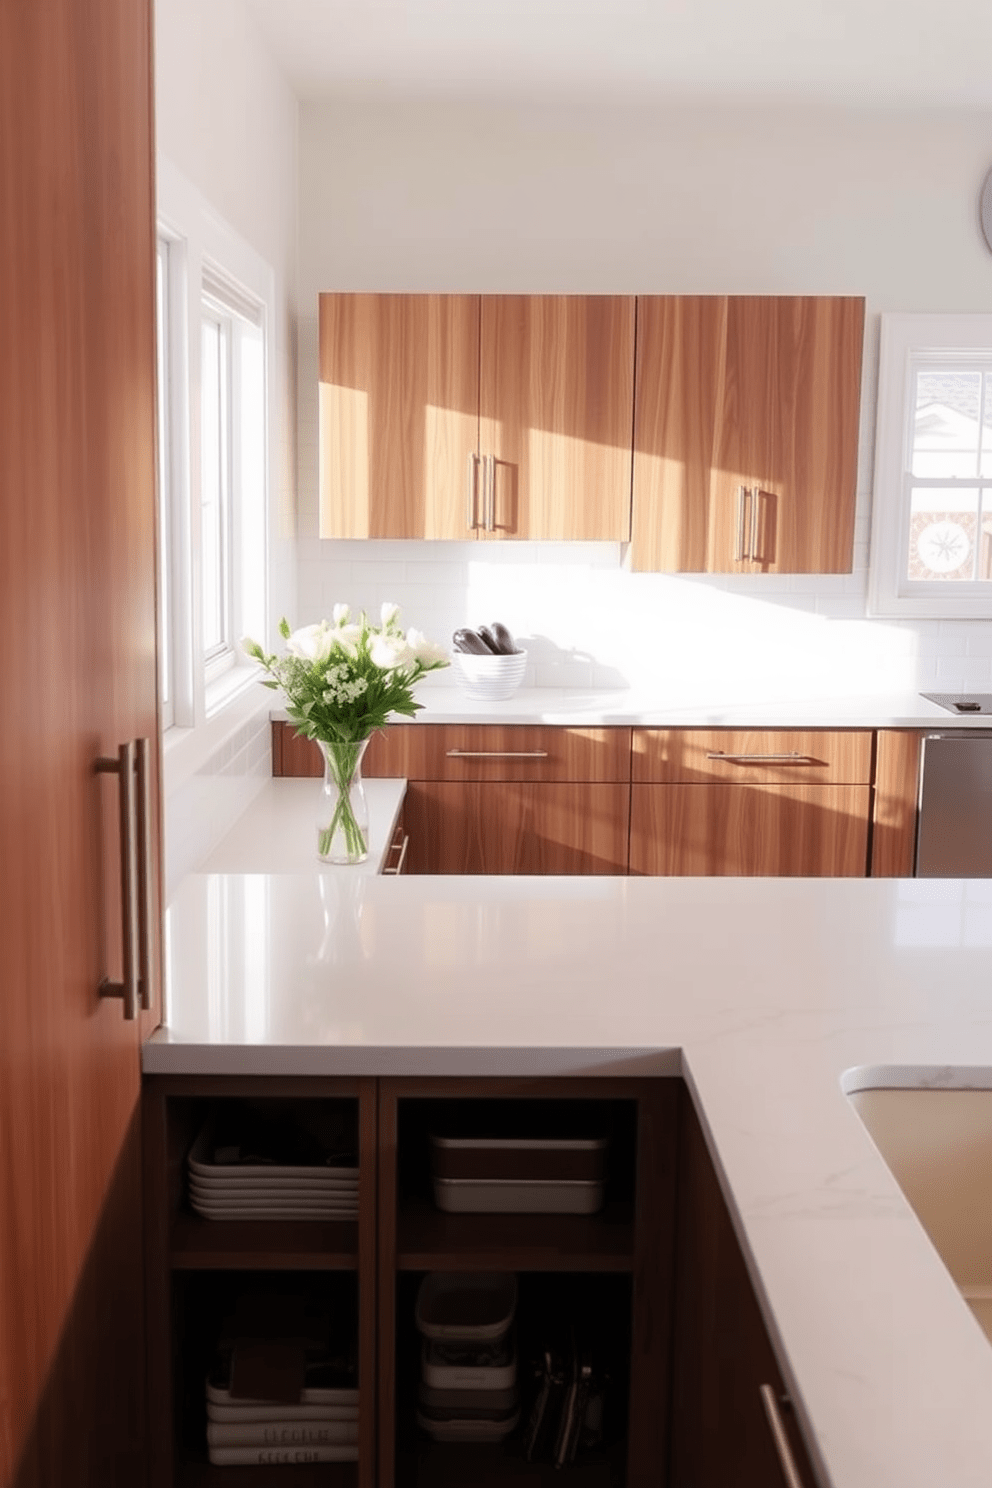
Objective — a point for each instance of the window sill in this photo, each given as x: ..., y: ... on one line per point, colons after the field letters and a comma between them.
x: 232, y: 701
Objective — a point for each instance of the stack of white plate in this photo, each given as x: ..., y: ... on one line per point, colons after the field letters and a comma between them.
x: 321, y: 1427
x: 268, y: 1190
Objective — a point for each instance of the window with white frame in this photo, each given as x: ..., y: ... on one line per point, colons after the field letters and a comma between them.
x: 932, y: 520
x: 232, y: 465
x: 164, y: 347
x: 214, y: 308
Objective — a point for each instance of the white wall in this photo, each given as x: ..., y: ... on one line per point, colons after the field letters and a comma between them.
x: 228, y: 120
x: 449, y: 196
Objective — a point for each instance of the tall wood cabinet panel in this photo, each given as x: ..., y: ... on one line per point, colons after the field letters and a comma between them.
x: 746, y: 433
x: 555, y: 401
x: 77, y: 599
x: 399, y: 415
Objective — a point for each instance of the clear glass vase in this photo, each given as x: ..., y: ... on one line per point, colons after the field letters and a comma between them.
x: 343, y: 814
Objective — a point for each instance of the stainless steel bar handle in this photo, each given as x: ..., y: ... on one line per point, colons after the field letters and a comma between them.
x: 471, y: 519
x: 793, y: 757
x: 497, y: 754
x: 787, y: 1462
x: 755, y: 519
x: 123, y: 768
x: 743, y: 496
x: 490, y: 493
x: 402, y: 857
x: 146, y: 876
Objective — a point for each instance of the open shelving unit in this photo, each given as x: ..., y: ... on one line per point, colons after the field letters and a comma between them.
x: 193, y: 1264
x: 613, y: 1267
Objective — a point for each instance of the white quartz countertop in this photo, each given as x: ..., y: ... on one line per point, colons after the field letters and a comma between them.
x: 278, y: 832
x: 770, y: 996
x: 444, y: 703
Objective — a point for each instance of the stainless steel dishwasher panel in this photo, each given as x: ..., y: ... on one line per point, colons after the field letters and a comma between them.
x: 954, y: 833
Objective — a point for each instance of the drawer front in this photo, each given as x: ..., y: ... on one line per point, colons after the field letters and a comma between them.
x: 517, y: 827
x: 787, y: 831
x: 752, y: 757
x: 500, y: 752
x: 431, y: 751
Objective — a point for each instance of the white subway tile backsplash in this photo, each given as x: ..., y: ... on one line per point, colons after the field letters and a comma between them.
x: 584, y: 615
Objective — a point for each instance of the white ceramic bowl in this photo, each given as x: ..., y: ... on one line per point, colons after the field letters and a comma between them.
x: 489, y: 678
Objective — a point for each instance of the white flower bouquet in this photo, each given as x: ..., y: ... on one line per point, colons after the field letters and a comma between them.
x: 342, y: 679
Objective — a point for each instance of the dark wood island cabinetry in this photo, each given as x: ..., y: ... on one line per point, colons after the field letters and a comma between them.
x: 653, y: 1280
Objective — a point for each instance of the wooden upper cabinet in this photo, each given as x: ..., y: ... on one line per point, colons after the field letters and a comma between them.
x: 447, y: 416
x: 399, y: 414
x: 746, y: 433
x: 557, y: 389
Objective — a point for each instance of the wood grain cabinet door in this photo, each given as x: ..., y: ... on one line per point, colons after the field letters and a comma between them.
x: 746, y: 433
x: 399, y: 416
x: 748, y: 831
x: 722, y: 1355
x: 556, y: 403
x: 77, y: 600
x: 517, y: 827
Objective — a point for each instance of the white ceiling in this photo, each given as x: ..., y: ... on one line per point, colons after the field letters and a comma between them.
x: 866, y: 52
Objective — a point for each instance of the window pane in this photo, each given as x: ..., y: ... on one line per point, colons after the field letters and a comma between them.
x: 987, y: 426
x: 985, y: 538
x: 942, y: 530
x: 250, y: 344
x: 164, y: 492
x: 946, y: 424
x: 213, y: 484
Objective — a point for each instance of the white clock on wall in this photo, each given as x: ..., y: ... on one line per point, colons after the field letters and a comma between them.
x: 986, y: 210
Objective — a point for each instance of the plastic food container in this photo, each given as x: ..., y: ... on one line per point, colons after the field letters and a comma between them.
x: 468, y: 1404
x: 477, y: 1367
x: 520, y: 1175
x: 442, y: 1428
x: 466, y: 1307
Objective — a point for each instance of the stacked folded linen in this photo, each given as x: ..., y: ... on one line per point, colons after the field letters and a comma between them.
x: 321, y: 1426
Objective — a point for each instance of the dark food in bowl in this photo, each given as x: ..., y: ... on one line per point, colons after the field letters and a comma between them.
x: 485, y: 640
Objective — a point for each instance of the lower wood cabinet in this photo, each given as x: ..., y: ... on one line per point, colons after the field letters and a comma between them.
x: 726, y: 1377
x: 749, y: 803
x: 653, y: 1286
x: 488, y: 798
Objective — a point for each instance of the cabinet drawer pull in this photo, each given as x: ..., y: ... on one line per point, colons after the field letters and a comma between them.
x: 128, y: 988
x: 490, y: 488
x: 793, y: 757
x: 402, y: 857
x: 743, y: 497
x: 146, y: 878
x: 471, y: 519
x: 755, y: 519
x: 497, y: 754
x: 777, y: 1427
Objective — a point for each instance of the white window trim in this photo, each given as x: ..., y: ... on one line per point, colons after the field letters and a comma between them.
x: 905, y: 340
x: 203, y: 248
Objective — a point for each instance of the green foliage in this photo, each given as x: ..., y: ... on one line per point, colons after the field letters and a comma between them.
x: 342, y: 680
